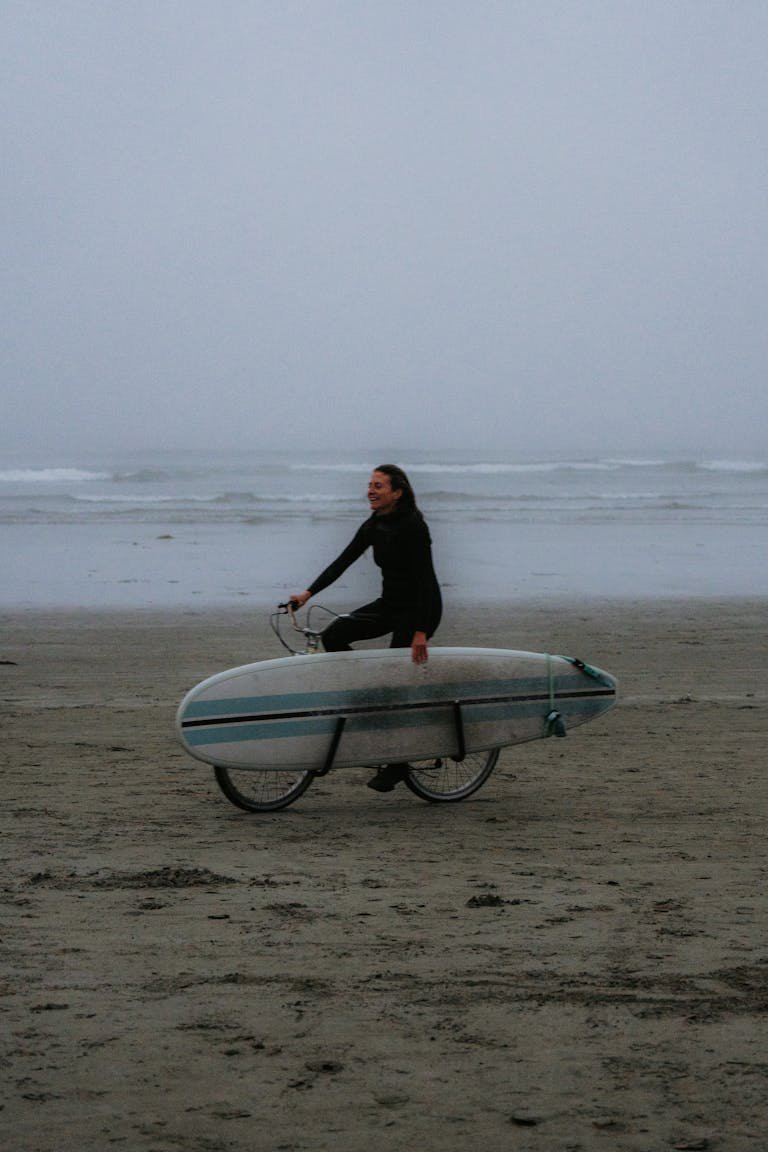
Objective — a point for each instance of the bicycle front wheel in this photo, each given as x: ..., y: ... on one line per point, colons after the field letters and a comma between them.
x: 444, y: 779
x: 262, y: 790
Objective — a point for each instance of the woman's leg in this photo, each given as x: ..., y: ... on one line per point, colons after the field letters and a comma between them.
x: 402, y: 634
x: 388, y: 776
x: 363, y: 624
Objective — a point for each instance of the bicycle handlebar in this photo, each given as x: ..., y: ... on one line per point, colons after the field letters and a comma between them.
x: 311, y: 635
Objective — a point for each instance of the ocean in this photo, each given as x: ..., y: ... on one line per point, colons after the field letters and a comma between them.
x: 182, y: 529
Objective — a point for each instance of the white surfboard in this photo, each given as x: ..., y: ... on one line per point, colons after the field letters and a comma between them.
x: 374, y: 706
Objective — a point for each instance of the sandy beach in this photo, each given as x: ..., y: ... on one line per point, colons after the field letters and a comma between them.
x: 574, y: 958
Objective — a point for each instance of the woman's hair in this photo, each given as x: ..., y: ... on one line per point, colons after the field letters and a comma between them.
x: 398, y: 479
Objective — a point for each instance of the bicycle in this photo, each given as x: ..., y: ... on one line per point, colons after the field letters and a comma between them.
x: 439, y: 780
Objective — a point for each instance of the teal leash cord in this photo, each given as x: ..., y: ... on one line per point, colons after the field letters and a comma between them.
x: 555, y: 725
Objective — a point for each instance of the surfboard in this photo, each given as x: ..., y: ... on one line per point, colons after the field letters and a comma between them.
x: 374, y: 706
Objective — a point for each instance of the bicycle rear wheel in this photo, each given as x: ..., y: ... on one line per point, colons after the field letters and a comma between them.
x: 444, y: 780
x: 262, y: 790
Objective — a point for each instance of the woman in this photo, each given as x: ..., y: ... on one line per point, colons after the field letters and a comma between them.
x: 410, y: 605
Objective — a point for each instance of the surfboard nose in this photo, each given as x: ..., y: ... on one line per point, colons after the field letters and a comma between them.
x: 609, y: 684
x: 600, y: 686
x: 605, y: 679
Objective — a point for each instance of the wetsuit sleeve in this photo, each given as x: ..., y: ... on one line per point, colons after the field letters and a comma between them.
x: 352, y: 552
x: 426, y: 606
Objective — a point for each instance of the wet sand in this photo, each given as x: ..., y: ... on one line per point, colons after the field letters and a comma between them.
x: 574, y: 958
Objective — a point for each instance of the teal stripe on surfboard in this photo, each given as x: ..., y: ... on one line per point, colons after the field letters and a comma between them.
x: 374, y: 696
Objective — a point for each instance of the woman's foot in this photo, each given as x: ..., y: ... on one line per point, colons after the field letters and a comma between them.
x: 388, y: 777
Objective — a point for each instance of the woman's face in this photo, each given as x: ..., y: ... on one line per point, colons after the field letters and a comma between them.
x: 381, y: 496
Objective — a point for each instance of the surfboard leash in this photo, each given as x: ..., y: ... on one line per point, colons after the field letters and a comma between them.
x: 554, y: 723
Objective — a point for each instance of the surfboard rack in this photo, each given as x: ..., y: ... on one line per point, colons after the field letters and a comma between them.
x: 333, y: 747
x: 341, y: 722
x: 458, y: 720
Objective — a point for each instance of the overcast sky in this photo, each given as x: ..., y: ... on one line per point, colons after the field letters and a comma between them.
x: 523, y: 224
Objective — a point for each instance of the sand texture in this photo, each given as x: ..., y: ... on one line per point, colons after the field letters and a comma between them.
x: 574, y: 958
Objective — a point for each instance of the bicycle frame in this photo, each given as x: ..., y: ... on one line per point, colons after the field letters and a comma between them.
x: 435, y: 780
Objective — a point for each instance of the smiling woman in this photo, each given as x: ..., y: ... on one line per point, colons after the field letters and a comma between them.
x: 410, y: 604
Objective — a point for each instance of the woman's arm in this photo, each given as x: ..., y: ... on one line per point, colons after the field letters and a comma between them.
x: 422, y: 574
x: 329, y: 575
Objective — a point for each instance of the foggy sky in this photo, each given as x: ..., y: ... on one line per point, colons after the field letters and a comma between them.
x: 531, y: 224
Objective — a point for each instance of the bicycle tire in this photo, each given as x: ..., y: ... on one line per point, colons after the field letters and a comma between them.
x: 445, y: 780
x: 262, y: 790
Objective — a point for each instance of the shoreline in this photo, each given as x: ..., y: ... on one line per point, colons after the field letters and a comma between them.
x: 252, y: 606
x: 573, y: 957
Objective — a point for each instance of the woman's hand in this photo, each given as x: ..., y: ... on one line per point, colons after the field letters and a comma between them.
x: 299, y: 599
x: 419, y: 653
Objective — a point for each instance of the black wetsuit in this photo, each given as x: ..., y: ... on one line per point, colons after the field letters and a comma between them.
x: 410, y: 598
